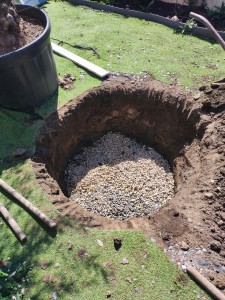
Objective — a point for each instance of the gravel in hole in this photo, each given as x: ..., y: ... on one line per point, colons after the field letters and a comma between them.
x: 118, y: 178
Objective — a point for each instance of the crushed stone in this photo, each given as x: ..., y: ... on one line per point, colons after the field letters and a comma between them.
x: 118, y: 178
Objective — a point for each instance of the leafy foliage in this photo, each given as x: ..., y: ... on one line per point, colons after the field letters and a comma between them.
x: 13, y: 280
x: 2, y: 274
x: 187, y: 27
x: 217, y: 13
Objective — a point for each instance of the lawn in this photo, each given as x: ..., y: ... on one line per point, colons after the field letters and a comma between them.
x: 75, y: 266
x: 129, y: 45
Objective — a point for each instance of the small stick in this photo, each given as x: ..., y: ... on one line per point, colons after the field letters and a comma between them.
x: 29, y: 206
x: 12, y: 223
x: 205, y: 283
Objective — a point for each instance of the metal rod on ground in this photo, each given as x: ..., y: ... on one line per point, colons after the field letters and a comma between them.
x: 205, y: 283
x: 207, y: 24
x: 29, y: 206
x: 12, y: 223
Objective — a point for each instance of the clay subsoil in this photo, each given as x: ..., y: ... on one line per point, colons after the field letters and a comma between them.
x: 187, y: 129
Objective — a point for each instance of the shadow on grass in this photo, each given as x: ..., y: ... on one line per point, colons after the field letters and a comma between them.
x: 19, y: 130
x: 36, y: 244
x: 72, y: 284
x: 50, y: 231
x: 185, y: 32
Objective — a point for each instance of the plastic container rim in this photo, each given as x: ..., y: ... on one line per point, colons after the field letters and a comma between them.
x: 36, y: 41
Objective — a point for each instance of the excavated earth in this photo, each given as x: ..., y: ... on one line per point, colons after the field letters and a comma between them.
x: 188, y: 130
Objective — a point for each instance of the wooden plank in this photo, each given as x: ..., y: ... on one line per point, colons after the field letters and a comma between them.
x: 12, y: 223
x: 29, y: 206
x: 80, y: 61
x: 213, y: 291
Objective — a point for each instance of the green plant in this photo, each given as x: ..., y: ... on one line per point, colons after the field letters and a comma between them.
x: 216, y: 13
x: 187, y: 27
x: 13, y: 282
x: 2, y: 274
x: 108, y: 2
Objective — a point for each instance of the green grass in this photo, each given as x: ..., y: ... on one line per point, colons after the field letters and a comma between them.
x: 129, y: 46
x: 88, y: 276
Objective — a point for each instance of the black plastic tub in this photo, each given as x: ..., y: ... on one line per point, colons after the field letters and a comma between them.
x: 28, y: 75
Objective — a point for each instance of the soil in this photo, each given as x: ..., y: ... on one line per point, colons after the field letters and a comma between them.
x: 30, y: 30
x: 187, y: 129
x: 66, y: 82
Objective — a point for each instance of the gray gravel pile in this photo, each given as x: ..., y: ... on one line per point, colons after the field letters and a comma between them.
x: 198, y: 257
x: 118, y: 178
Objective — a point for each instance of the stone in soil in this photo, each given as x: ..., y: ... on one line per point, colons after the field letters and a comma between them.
x: 125, y: 261
x: 215, y: 246
x: 19, y: 152
x: 184, y: 246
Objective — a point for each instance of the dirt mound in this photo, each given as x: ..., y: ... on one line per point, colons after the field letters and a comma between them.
x: 188, y: 131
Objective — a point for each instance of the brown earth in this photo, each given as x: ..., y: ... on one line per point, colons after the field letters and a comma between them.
x: 30, y: 30
x: 187, y: 129
x: 66, y: 82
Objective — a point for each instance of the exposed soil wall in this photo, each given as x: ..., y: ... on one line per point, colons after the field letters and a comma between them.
x: 148, y: 111
x: 188, y: 131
